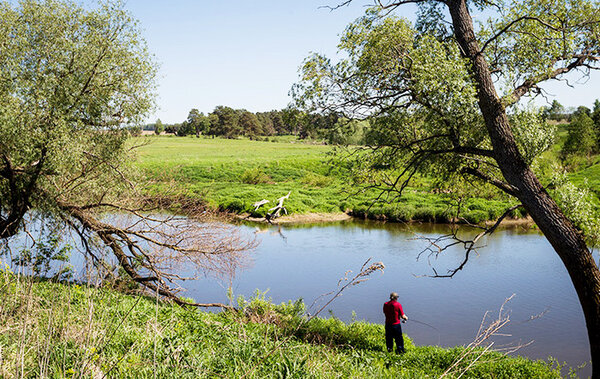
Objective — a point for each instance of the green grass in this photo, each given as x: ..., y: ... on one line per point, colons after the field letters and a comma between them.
x: 70, y: 331
x: 232, y: 174
x: 589, y: 176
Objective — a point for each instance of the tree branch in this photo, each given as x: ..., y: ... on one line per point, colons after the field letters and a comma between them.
x: 505, y: 29
x: 438, y: 245
x: 509, y: 189
x: 145, y: 268
x: 528, y: 84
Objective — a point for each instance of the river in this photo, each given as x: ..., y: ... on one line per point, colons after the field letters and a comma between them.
x: 307, y: 261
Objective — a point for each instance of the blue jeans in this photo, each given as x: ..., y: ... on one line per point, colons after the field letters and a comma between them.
x: 394, y: 333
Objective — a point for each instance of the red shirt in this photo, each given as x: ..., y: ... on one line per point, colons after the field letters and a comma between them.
x: 393, y: 311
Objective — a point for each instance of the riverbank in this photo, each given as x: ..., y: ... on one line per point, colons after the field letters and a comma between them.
x: 313, y: 218
x: 69, y: 330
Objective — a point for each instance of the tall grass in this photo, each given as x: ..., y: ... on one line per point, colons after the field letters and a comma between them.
x: 63, y: 330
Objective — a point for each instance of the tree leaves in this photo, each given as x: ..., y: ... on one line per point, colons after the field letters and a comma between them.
x: 70, y: 81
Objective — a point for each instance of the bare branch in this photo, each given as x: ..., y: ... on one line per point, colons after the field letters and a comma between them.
x: 477, y: 349
x: 439, y: 245
x: 362, y: 276
x: 147, y: 253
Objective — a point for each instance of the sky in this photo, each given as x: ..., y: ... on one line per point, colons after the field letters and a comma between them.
x: 246, y: 54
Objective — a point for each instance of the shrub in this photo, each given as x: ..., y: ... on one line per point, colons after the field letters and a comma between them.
x: 315, y: 180
x: 236, y: 206
x: 475, y: 216
x: 255, y: 176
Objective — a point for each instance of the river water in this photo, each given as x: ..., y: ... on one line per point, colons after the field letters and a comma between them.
x: 307, y: 261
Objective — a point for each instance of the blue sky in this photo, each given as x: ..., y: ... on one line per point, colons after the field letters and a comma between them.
x: 246, y: 54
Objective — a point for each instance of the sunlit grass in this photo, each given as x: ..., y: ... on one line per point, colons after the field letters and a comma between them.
x: 232, y: 174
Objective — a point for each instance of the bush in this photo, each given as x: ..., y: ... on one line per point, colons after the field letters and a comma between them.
x: 235, y: 206
x: 315, y: 180
x: 255, y: 176
x: 475, y: 216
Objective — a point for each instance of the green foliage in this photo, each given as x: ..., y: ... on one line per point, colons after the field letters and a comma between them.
x: 197, y: 123
x: 233, y: 123
x: 233, y: 174
x: 556, y: 111
x: 224, y: 121
x: 70, y: 81
x: 315, y: 180
x: 347, y: 132
x: 260, y: 306
x: 255, y: 176
x: 567, y: 27
x: 581, y: 139
x: 417, y: 91
x: 533, y: 134
x: 250, y: 124
x: 158, y: 127
x: 579, y: 205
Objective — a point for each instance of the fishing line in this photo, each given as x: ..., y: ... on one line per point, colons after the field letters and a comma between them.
x: 428, y: 325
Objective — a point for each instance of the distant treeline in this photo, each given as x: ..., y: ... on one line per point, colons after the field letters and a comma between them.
x: 557, y: 112
x: 228, y: 122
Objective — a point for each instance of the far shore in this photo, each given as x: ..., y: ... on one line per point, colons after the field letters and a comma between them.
x: 311, y: 218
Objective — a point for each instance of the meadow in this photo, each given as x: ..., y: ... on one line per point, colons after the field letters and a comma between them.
x: 232, y: 174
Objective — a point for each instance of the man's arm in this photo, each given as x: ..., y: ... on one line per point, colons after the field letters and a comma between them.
x: 401, y: 312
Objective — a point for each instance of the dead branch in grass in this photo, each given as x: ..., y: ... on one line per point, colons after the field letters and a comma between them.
x: 482, y: 344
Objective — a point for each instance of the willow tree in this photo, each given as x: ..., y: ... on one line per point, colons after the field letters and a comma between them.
x: 71, y: 81
x: 444, y: 96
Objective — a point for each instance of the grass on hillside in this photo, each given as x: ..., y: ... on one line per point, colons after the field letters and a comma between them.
x: 72, y: 331
x: 589, y: 176
x: 232, y: 174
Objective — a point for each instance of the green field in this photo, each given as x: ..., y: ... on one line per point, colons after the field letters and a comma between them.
x: 59, y: 330
x: 589, y: 176
x: 231, y: 174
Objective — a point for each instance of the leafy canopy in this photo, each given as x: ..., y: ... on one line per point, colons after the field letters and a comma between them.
x: 70, y: 80
x: 418, y: 90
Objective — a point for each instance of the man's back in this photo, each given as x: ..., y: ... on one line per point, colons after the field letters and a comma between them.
x: 393, y: 311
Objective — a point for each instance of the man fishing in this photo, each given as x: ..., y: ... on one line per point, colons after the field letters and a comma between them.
x: 393, y: 329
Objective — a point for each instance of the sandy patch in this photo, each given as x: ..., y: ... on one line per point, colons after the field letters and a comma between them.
x: 306, y: 218
x: 509, y: 222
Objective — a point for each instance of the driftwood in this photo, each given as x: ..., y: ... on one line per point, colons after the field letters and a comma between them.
x: 275, y: 212
x: 259, y: 204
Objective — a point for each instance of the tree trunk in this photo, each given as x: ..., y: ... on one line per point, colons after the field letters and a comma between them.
x: 567, y: 241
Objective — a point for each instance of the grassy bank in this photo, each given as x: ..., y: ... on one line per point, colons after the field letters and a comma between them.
x: 233, y: 174
x: 71, y: 331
